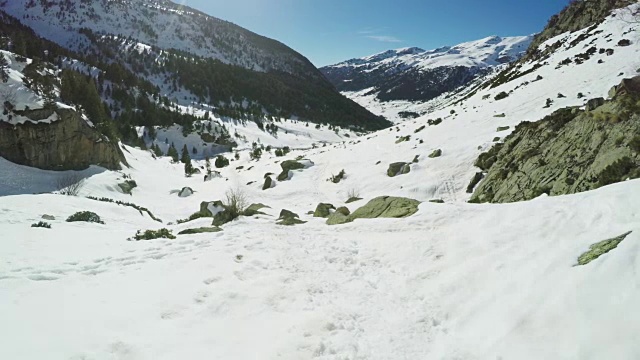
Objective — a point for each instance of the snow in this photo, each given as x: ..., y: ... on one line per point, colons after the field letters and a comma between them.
x: 454, y: 281
x: 480, y: 53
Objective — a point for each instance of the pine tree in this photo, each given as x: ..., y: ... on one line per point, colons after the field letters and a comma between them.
x: 157, y: 150
x: 4, y: 66
x: 173, y: 153
x: 221, y: 161
x: 194, y: 151
x: 207, y: 163
x: 188, y: 168
x: 185, y: 158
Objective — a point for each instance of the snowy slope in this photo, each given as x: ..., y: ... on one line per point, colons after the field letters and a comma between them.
x: 160, y: 23
x: 454, y: 281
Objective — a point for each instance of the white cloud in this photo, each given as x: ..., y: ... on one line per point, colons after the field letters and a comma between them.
x: 384, y: 38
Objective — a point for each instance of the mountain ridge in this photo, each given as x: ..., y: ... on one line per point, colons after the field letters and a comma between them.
x: 429, y: 72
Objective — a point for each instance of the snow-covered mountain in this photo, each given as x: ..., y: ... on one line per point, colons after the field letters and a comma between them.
x: 192, y: 58
x: 160, y: 23
x: 415, y: 74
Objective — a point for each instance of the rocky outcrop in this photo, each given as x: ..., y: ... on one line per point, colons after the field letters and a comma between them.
x: 68, y: 143
x: 577, y: 15
x: 567, y: 152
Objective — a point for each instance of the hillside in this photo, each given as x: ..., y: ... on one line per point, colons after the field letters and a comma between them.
x: 193, y: 58
x: 385, y: 256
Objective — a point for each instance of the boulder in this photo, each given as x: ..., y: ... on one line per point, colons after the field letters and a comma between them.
x: 343, y: 210
x: 254, y: 209
x: 289, y: 165
x: 337, y: 218
x: 323, y: 210
x: 268, y: 183
x: 289, y: 218
x: 58, y: 139
x: 210, y: 208
x: 386, y: 207
x: 398, y: 168
x: 185, y: 192
x: 48, y: 217
x: 593, y: 104
x: 285, y: 175
x: 127, y: 186
x: 436, y: 153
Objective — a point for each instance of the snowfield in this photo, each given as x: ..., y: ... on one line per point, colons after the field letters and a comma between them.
x: 455, y: 281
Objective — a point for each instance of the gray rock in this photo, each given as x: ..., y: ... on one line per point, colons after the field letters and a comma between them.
x: 185, y: 192
x: 48, y: 217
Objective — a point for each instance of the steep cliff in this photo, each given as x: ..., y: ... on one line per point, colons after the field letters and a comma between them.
x: 57, y: 139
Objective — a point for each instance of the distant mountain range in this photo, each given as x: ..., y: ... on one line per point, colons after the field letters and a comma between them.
x: 415, y: 74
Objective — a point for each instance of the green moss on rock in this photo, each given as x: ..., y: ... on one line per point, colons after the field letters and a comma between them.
x: 200, y: 230
x: 323, y: 210
x: 601, y: 248
x: 398, y: 168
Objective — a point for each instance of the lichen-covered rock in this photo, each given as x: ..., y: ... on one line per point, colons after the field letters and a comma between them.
x: 200, y: 230
x: 435, y: 153
x: 127, y: 186
x: 386, y: 207
x: 343, y: 210
x: 567, y: 152
x: 254, y: 209
x: 398, y: 168
x: 474, y: 181
x: 601, y: 248
x: 323, y: 210
x: 289, y: 218
x: 337, y: 218
x: 68, y: 143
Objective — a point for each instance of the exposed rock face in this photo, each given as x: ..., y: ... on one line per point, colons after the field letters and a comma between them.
x: 577, y: 15
x: 66, y: 144
x: 567, y: 152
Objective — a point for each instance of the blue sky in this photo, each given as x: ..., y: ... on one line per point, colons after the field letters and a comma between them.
x: 330, y: 31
